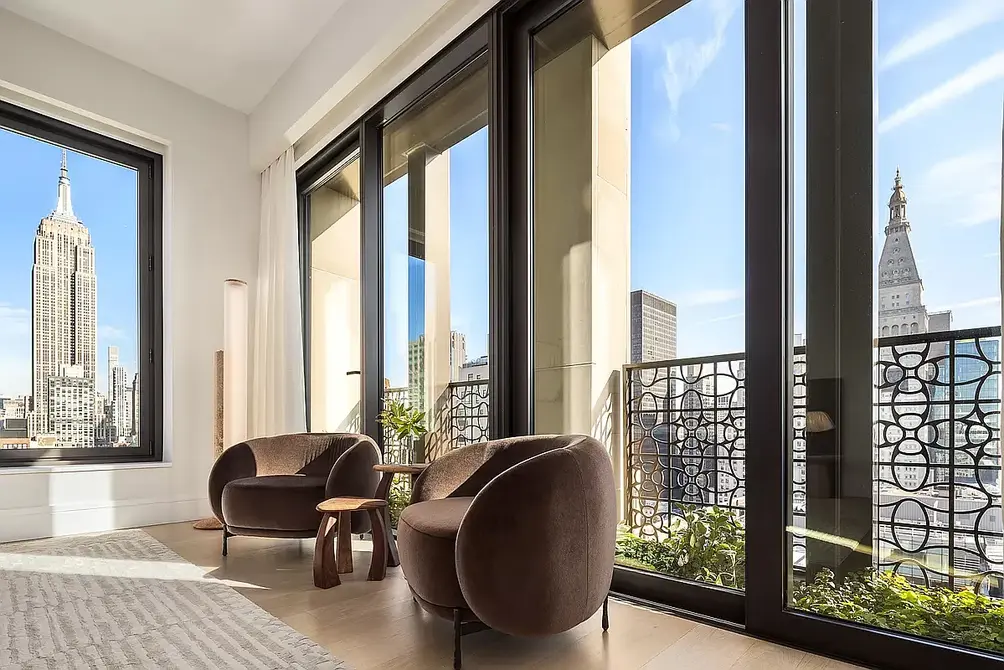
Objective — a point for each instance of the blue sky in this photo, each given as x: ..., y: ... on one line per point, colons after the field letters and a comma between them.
x: 940, y: 91
x: 104, y: 198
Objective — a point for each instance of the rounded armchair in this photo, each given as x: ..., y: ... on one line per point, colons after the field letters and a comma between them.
x: 271, y: 486
x: 516, y: 535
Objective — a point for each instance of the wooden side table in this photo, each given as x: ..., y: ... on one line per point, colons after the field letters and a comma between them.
x: 327, y: 563
x: 388, y: 470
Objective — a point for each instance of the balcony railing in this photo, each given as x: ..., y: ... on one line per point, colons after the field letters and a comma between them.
x: 460, y: 417
x: 936, y: 451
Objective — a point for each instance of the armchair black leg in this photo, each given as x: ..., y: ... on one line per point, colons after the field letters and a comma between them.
x: 226, y: 534
x: 457, y: 632
x: 606, y: 615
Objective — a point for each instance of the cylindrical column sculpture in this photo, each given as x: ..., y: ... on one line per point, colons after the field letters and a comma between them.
x: 235, y: 356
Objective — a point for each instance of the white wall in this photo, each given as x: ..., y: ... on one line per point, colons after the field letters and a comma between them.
x: 210, y: 230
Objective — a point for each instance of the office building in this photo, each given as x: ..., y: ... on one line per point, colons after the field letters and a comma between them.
x: 63, y: 305
x: 653, y: 328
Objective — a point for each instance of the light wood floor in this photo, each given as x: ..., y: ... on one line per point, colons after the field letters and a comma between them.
x: 377, y: 625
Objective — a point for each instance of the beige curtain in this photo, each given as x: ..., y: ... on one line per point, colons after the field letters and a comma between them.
x: 278, y: 403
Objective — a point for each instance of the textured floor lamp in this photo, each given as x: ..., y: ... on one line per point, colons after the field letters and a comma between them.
x: 230, y: 379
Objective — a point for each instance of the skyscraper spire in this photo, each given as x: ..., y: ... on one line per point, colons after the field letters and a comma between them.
x: 64, y: 206
x: 897, y: 205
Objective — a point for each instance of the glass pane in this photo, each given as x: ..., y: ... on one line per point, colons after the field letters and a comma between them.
x: 639, y: 277
x: 898, y: 424
x: 69, y: 329
x: 334, y: 303
x: 436, y: 269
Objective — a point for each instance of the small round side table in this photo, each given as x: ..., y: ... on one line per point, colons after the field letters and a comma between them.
x: 327, y: 562
x: 388, y: 470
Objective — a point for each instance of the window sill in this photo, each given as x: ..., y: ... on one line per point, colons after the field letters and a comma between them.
x: 81, y: 467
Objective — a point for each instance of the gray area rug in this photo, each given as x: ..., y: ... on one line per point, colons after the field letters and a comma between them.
x: 124, y: 600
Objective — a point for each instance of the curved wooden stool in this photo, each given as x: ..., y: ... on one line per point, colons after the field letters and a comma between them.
x: 327, y: 564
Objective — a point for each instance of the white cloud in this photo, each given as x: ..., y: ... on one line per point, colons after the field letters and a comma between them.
x: 711, y: 296
x: 727, y: 317
x: 722, y: 127
x: 107, y: 332
x: 686, y: 60
x: 963, y: 17
x: 969, y: 304
x: 984, y: 72
x: 965, y: 190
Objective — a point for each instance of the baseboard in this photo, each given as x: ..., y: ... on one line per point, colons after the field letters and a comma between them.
x: 31, y: 523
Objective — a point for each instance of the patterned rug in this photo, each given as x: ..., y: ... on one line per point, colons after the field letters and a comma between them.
x: 124, y: 600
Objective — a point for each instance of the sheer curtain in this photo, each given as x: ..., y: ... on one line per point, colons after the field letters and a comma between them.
x: 277, y: 389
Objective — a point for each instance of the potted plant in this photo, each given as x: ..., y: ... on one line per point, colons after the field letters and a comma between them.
x: 406, y: 424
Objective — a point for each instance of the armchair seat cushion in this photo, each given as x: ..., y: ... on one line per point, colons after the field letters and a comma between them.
x: 427, y: 541
x: 274, y: 502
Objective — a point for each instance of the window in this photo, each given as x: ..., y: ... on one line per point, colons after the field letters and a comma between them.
x: 80, y: 296
x: 435, y: 205
x: 628, y: 153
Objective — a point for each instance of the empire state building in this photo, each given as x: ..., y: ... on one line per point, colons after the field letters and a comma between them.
x: 63, y: 326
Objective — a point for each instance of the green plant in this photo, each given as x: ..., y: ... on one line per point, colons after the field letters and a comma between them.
x: 402, y: 421
x: 704, y: 543
x: 888, y: 600
x: 398, y: 499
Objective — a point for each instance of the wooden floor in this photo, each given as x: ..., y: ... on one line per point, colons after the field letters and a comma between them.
x: 377, y: 625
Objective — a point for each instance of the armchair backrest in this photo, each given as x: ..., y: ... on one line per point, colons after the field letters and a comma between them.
x: 535, y: 551
x: 298, y: 453
x: 466, y: 470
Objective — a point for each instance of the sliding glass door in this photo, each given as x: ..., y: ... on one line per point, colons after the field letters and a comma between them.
x: 334, y: 287
x: 435, y: 263
x: 636, y: 224
x: 897, y: 463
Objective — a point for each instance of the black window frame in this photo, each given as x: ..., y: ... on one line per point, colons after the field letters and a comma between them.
x: 149, y: 168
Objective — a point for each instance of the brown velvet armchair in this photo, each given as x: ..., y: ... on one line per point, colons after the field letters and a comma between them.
x: 271, y: 486
x: 516, y: 535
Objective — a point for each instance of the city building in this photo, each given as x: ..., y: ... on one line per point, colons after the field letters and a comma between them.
x: 135, y: 405
x: 474, y: 370
x: 103, y: 433
x: 901, y: 290
x: 416, y: 373
x: 113, y: 362
x: 653, y: 328
x: 71, y: 408
x: 458, y: 353
x: 117, y: 397
x: 63, y: 309
x: 13, y: 408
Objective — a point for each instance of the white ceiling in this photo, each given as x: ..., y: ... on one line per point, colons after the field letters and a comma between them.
x: 231, y: 51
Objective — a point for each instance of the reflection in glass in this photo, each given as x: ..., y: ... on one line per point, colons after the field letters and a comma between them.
x: 436, y: 263
x: 335, y: 306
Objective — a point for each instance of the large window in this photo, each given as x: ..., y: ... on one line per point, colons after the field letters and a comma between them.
x: 897, y: 518
x: 435, y: 234
x: 759, y: 262
x: 79, y: 294
x: 638, y: 269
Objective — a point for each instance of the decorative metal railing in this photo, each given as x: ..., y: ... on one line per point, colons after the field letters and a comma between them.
x: 460, y: 417
x: 936, y: 451
x: 938, y: 459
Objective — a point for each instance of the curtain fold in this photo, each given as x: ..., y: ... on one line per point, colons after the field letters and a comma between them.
x: 277, y: 388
